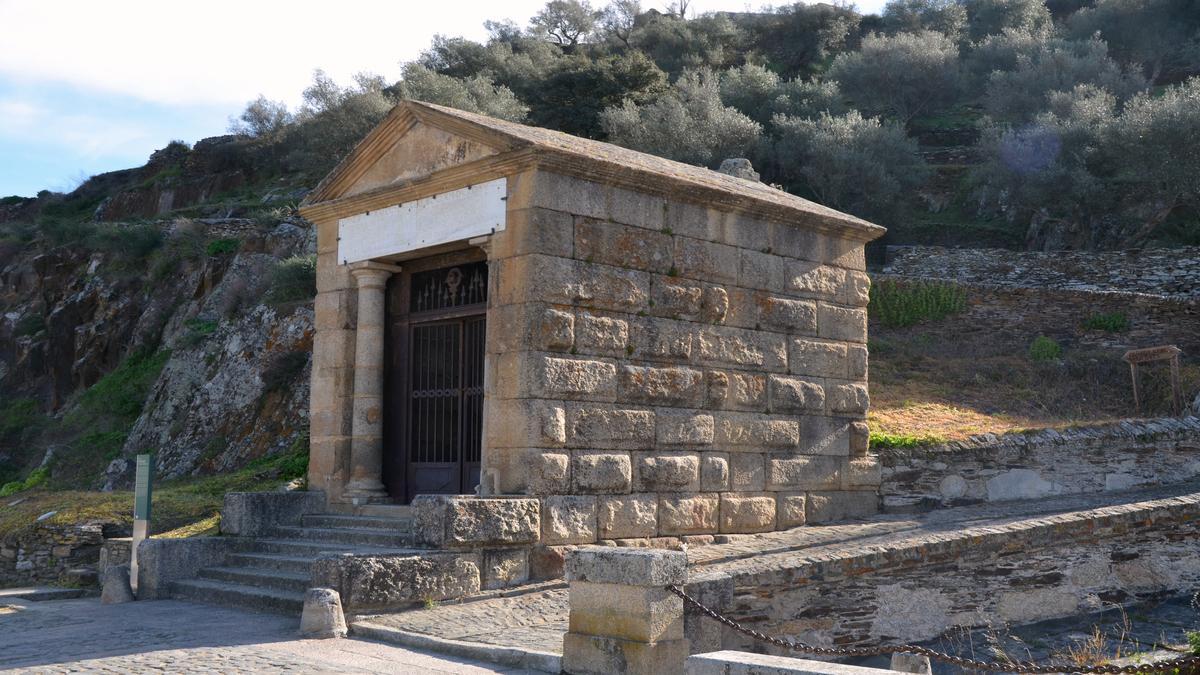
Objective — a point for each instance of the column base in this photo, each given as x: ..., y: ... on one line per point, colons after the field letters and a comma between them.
x: 362, y: 495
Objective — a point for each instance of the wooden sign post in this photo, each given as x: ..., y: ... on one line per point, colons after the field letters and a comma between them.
x: 1136, y: 357
x: 142, y: 489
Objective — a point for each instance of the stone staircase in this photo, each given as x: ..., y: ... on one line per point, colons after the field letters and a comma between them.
x: 273, y: 572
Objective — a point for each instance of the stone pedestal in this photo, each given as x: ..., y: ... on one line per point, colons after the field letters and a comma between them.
x: 623, y: 619
x: 322, y: 616
x: 366, y: 443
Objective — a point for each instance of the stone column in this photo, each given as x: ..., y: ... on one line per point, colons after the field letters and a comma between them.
x: 366, y: 443
x: 622, y: 617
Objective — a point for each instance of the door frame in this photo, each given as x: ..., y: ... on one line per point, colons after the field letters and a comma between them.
x: 397, y: 357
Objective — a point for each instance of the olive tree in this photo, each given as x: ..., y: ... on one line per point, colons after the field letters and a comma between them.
x: 761, y: 94
x: 902, y: 75
x: 947, y: 17
x: 689, y: 123
x: 565, y: 22
x: 1154, y: 33
x: 990, y: 17
x: 262, y: 118
x: 473, y: 94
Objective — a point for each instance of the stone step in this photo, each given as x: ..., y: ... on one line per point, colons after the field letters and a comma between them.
x: 238, y: 595
x: 301, y: 564
x: 385, y: 510
x: 359, y: 522
x: 259, y: 578
x: 345, y: 535
x: 300, y: 548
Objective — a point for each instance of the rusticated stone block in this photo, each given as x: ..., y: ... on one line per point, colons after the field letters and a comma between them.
x: 804, y: 473
x: 662, y: 339
x: 740, y: 348
x: 627, y: 516
x: 714, y: 472
x: 568, y: 519
x: 664, y: 386
x: 549, y: 472
x: 677, y: 427
x: 857, y: 290
x: 736, y: 390
x: 505, y: 567
x: 601, y: 334
x: 688, y: 514
x: 742, y: 513
x: 825, y: 435
x: 578, y: 378
x: 622, y: 246
x: 716, y: 304
x: 857, y: 362
x: 376, y: 581
x: 829, y: 507
x: 555, y: 329
x: 815, y: 279
x: 817, y: 359
x: 601, y: 472
x: 787, y: 315
x: 676, y: 472
x: 462, y: 521
x: 849, y: 398
x: 571, y: 282
x: 640, y: 613
x: 534, y: 230
x: 756, y: 431
x: 676, y: 299
x: 601, y: 426
x: 526, y: 423
x: 790, y: 510
x: 840, y: 323
x: 706, y: 260
x: 653, y: 567
x: 862, y: 472
x: 793, y: 395
x: 546, y: 562
x: 747, y: 471
x: 860, y: 438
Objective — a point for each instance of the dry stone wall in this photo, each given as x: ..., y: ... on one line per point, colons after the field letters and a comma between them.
x: 51, y: 554
x: 661, y: 368
x: 1015, y: 466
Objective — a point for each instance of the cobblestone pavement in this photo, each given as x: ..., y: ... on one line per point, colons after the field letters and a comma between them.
x: 83, y: 636
x: 538, y: 620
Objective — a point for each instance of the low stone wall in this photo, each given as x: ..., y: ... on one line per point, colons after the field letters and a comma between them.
x: 745, y: 663
x: 51, y: 554
x: 919, y: 588
x: 374, y: 581
x: 993, y: 468
x: 255, y: 514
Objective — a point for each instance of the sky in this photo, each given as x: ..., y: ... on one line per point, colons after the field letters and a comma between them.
x: 88, y: 87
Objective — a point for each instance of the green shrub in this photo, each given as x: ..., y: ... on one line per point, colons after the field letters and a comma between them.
x: 222, y: 246
x: 1116, y: 322
x: 197, y: 330
x: 132, y: 242
x: 121, y: 394
x: 293, y: 280
x: 12, y: 199
x: 1044, y: 349
x: 36, y: 478
x: 898, y: 305
x: 881, y: 440
x: 105, y: 445
x: 1193, y: 638
x: 17, y: 417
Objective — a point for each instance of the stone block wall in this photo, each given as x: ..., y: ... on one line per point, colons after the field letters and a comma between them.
x: 661, y: 368
x: 51, y: 554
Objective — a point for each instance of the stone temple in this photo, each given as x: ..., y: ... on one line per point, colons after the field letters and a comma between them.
x: 569, y: 337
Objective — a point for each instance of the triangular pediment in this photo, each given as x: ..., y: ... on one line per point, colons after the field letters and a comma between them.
x: 401, y: 149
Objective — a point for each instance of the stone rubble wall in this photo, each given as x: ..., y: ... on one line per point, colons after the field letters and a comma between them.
x: 662, y: 369
x: 991, y: 468
x: 1167, y: 273
x: 918, y: 589
x: 48, y: 554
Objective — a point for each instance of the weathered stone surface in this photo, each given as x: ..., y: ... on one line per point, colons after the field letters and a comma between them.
x: 688, y: 514
x: 663, y: 386
x: 747, y: 471
x: 675, y: 472
x: 601, y: 472
x: 862, y: 472
x: 804, y: 472
x: 747, y: 663
x: 549, y: 472
x: 573, y: 282
x: 601, y: 426
x: 849, y: 398
x: 756, y: 431
x: 840, y: 323
x: 322, y: 615
x: 505, y: 567
x: 525, y: 423
x: 706, y: 260
x: 860, y: 438
x: 825, y: 435
x: 662, y: 339
x: 376, y: 581
x: 793, y: 395
x: 627, y: 516
x: 797, y: 317
x: 817, y: 359
x: 747, y: 513
x: 714, y: 472
x: 254, y: 514
x: 912, y: 663
x: 601, y: 334
x: 595, y: 655
x: 739, y: 348
x: 677, y: 427
x: 630, y: 567
x: 638, y: 613
x: 790, y: 510
x: 736, y: 390
x: 568, y: 519
x: 161, y: 561
x: 555, y: 330
x: 546, y: 562
x: 578, y: 378
x: 462, y: 521
x: 829, y: 507
x: 857, y: 362
x: 622, y: 246
x: 116, y: 588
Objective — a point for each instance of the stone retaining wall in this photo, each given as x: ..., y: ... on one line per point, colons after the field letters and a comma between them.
x: 992, y: 468
x: 51, y: 554
x: 917, y: 589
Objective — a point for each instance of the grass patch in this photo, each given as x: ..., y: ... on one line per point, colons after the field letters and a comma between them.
x: 1044, y: 349
x: 898, y: 305
x: 882, y: 441
x: 293, y: 280
x: 36, y: 478
x: 225, y: 246
x: 120, y: 395
x: 1115, y: 322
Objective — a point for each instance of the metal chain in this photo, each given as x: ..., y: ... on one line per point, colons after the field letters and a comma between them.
x: 1183, y: 664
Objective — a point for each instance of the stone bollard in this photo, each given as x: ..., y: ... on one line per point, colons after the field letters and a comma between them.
x: 116, y: 586
x: 623, y: 619
x: 912, y: 663
x: 322, y: 616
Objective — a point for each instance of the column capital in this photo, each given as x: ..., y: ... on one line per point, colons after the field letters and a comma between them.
x: 369, y: 270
